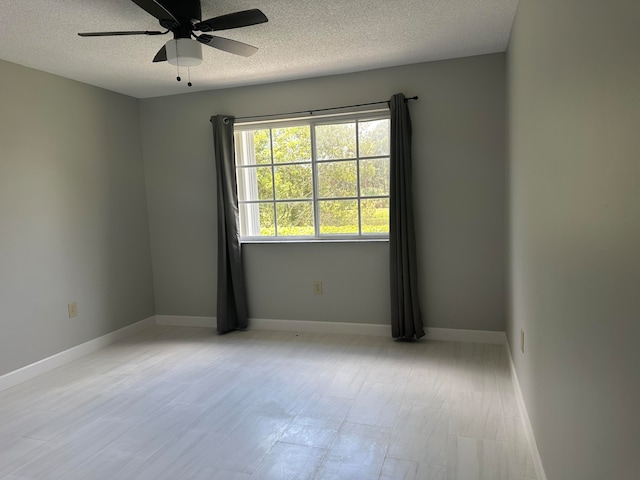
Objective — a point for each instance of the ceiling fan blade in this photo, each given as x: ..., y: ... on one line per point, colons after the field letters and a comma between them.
x: 228, y: 45
x: 161, y: 56
x: 244, y: 18
x: 154, y: 8
x: 111, y: 34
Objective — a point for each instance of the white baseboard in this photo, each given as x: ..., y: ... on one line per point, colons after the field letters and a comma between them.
x: 341, y: 328
x: 28, y: 372
x: 281, y: 325
x: 524, y: 415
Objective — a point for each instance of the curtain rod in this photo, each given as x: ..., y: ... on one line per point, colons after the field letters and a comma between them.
x: 311, y: 112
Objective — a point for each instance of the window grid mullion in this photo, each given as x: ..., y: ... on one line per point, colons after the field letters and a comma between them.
x: 314, y: 178
x: 358, y: 177
x: 328, y: 199
x: 284, y: 164
x: 273, y: 185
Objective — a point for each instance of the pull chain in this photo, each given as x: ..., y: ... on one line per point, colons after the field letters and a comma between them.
x: 178, y: 78
x: 177, y: 61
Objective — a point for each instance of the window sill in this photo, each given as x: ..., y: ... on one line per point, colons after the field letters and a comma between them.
x: 314, y: 240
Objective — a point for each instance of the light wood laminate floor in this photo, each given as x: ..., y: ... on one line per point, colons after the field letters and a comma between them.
x: 184, y: 403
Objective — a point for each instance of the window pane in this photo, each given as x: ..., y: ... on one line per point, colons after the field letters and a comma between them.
x: 255, y: 183
x: 375, y: 215
x: 374, y: 177
x: 373, y: 138
x: 262, y: 146
x: 337, y: 179
x: 284, y: 192
x: 252, y: 147
x: 293, y: 181
x: 292, y: 144
x: 338, y: 217
x: 336, y: 141
x: 256, y: 219
x: 295, y: 219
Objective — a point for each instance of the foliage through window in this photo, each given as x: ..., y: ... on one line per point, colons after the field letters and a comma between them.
x: 314, y: 178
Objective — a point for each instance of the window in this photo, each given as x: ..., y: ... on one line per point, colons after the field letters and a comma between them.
x: 314, y: 178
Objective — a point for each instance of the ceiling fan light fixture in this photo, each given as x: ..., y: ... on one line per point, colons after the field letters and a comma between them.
x: 184, y: 52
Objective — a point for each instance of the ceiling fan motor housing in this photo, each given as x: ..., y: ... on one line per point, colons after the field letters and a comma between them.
x: 185, y: 11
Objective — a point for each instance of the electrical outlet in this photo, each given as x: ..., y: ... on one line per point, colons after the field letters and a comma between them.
x: 317, y: 287
x: 522, y: 340
x: 73, y: 309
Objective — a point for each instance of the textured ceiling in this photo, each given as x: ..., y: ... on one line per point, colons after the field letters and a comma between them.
x: 305, y: 38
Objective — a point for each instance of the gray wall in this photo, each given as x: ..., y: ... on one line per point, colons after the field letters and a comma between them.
x: 574, y: 115
x: 459, y: 165
x: 73, y: 219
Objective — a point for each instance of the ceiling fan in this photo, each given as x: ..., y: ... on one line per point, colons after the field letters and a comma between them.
x: 183, y: 19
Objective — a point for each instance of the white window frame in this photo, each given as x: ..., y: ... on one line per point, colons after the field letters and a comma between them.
x: 248, y: 183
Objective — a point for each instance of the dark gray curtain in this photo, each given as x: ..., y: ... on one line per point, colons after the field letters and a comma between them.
x: 232, y: 298
x: 406, y: 321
